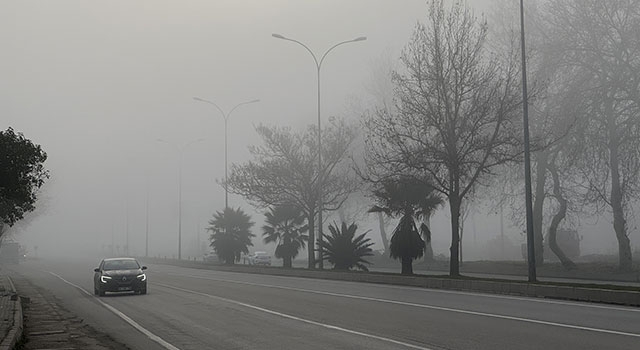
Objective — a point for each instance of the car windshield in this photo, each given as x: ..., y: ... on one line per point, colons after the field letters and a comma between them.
x: 120, y: 265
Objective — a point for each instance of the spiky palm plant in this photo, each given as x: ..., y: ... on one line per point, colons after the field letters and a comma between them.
x: 344, y: 249
x: 285, y: 226
x: 230, y: 234
x: 409, y: 198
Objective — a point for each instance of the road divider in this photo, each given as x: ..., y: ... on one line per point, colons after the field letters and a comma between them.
x: 564, y: 291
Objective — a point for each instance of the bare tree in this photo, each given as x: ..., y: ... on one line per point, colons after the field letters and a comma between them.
x: 602, y: 40
x: 284, y: 172
x: 456, y: 111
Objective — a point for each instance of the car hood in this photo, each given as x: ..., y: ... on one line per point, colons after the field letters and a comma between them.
x: 116, y: 273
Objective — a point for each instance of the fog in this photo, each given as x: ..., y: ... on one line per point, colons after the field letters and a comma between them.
x: 98, y: 83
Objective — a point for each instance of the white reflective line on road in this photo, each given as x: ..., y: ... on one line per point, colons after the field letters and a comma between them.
x: 324, y: 325
x: 135, y: 325
x: 425, y: 306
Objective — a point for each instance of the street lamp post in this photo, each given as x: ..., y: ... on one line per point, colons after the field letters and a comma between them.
x: 146, y: 227
x: 531, y: 258
x: 225, y: 116
x: 180, y: 152
x: 318, y: 66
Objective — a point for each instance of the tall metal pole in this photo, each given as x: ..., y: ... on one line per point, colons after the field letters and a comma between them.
x: 320, y: 177
x: 320, y: 196
x: 113, y: 241
x: 226, y: 157
x: 502, y: 231
x: 126, y: 247
x: 180, y: 151
x: 180, y: 205
x: 531, y: 258
x: 225, y: 116
x: 146, y: 235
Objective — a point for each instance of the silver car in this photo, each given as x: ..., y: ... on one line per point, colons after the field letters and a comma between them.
x: 260, y: 258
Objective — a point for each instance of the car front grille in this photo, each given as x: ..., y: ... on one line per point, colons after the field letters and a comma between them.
x: 125, y: 280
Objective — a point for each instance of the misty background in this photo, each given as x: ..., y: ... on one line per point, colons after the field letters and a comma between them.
x: 97, y: 84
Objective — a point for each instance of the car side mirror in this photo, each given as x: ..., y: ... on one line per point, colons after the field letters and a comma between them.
x: 144, y: 267
x: 96, y: 270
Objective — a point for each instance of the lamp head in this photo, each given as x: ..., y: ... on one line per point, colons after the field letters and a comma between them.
x: 362, y: 38
x: 277, y: 36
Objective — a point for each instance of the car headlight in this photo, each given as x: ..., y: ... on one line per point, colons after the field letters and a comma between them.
x: 104, y: 279
x: 142, y: 277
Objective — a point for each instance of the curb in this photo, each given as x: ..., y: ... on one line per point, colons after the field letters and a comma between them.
x: 14, y: 335
x: 547, y: 290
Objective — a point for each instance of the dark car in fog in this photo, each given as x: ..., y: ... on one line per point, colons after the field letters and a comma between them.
x: 119, y: 275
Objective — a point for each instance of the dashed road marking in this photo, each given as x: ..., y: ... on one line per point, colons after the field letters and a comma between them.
x: 295, y: 318
x: 425, y: 306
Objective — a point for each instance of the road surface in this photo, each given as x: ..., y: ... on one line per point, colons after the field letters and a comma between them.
x: 203, y: 309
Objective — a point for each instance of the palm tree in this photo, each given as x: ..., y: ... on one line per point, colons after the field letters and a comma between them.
x: 285, y: 226
x: 344, y: 250
x: 410, y: 198
x: 230, y: 234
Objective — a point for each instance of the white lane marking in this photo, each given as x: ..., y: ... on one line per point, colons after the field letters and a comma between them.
x: 425, y: 306
x: 442, y: 291
x: 324, y: 325
x: 135, y: 325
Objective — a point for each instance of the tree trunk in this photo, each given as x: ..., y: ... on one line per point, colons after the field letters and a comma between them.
x: 461, y: 237
x: 311, y: 244
x: 557, y: 218
x: 286, y: 262
x: 619, y: 222
x: 428, y: 249
x: 407, y: 266
x: 428, y: 252
x: 454, y: 263
x: 383, y: 233
x: 538, y: 205
x: 616, y: 198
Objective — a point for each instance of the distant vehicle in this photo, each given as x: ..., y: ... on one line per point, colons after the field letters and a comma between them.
x: 260, y: 258
x: 119, y: 275
x: 210, y: 257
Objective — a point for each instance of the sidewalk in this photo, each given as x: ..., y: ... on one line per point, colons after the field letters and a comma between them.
x: 10, y: 314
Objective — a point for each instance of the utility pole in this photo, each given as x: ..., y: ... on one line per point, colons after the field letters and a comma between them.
x: 126, y: 247
x: 146, y: 236
x: 531, y: 258
x: 502, y: 231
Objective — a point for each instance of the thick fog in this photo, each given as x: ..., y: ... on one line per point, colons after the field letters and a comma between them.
x: 97, y: 84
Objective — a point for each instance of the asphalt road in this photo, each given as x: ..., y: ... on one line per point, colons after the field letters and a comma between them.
x: 204, y: 309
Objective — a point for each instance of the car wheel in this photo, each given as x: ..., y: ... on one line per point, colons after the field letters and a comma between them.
x: 95, y: 290
x: 142, y: 291
x: 100, y: 292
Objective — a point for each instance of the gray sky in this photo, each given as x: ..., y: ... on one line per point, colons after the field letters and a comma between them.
x: 97, y: 83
